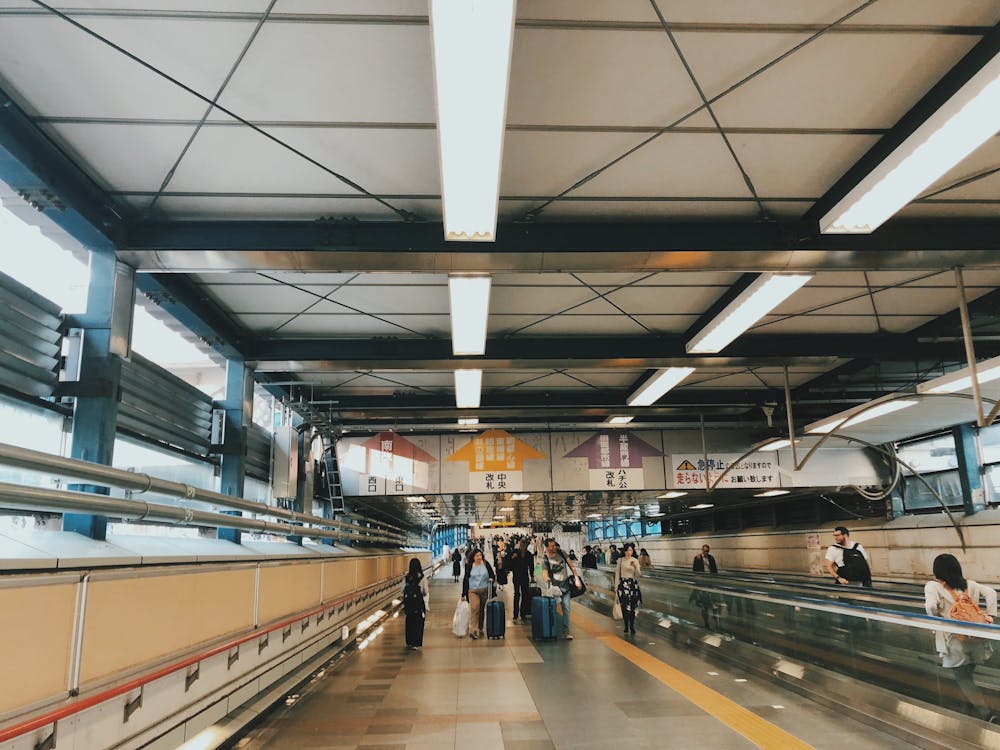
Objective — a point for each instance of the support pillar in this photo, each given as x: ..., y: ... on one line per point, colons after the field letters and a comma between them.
x: 238, y: 407
x: 107, y: 336
x: 969, y: 467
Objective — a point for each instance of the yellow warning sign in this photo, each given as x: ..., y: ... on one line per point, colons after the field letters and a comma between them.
x: 687, y: 466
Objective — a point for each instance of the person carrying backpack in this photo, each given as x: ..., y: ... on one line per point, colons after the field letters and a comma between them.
x: 951, y: 596
x: 847, y: 562
x: 415, y: 604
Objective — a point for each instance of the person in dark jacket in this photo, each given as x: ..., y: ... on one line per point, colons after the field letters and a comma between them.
x: 456, y: 564
x: 522, y: 570
x: 702, y: 559
x: 479, y: 577
x: 415, y: 607
x: 589, y: 558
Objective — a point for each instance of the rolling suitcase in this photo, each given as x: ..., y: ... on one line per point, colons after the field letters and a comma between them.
x: 543, y: 618
x: 496, y: 619
x: 533, y: 591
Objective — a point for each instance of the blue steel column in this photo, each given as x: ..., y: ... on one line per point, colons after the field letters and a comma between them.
x: 238, y: 406
x: 969, y: 467
x: 95, y: 415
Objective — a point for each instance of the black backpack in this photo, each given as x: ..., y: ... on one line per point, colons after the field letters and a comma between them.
x: 413, y: 597
x: 855, y: 567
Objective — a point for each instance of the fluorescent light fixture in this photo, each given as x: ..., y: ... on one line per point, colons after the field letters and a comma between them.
x: 626, y: 507
x: 771, y: 493
x: 472, y: 41
x: 506, y: 510
x: 671, y: 495
x: 468, y: 420
x: 468, y: 384
x: 961, y: 125
x: 776, y: 444
x: 469, y: 300
x: 702, y: 506
x: 766, y: 292
x: 661, y: 382
x: 497, y: 518
x: 961, y: 380
x: 593, y: 515
x: 520, y: 496
x: 831, y: 424
x: 416, y: 499
x: 618, y: 420
x: 655, y: 515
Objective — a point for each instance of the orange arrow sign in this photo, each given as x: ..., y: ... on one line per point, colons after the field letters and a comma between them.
x: 495, y: 450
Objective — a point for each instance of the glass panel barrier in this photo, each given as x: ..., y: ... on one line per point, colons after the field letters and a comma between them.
x: 891, y: 646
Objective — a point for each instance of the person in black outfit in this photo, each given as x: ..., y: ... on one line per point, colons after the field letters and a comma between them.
x: 522, y: 568
x: 415, y: 607
x: 456, y: 564
x: 589, y: 558
x: 702, y: 558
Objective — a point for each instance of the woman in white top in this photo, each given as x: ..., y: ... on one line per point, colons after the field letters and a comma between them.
x: 959, y: 655
x: 627, y: 586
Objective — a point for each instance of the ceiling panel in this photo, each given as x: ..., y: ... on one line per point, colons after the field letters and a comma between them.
x: 807, y: 89
x: 274, y: 298
x: 859, y: 324
x: 538, y: 300
x: 72, y: 76
x: 597, y: 325
x: 590, y: 210
x: 269, y: 208
x: 386, y: 299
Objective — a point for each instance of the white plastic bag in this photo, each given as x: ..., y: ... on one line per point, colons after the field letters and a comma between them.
x: 460, y: 622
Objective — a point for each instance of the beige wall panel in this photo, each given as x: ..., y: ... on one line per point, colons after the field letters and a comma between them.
x: 133, y: 621
x: 367, y: 571
x: 338, y: 578
x: 287, y: 589
x: 384, y: 567
x: 36, y: 629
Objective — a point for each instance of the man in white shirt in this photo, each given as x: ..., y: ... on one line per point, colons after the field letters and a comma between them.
x: 847, y: 561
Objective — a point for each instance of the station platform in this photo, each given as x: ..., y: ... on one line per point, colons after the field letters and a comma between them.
x: 600, y: 690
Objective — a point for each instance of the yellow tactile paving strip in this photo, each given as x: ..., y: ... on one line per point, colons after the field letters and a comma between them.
x: 757, y: 730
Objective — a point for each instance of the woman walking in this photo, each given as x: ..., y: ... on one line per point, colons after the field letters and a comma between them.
x: 456, y: 564
x: 415, y: 604
x: 627, y: 586
x: 959, y: 655
x: 479, y: 576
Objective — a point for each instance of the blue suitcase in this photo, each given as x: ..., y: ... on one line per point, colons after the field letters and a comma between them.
x: 543, y: 618
x: 496, y: 619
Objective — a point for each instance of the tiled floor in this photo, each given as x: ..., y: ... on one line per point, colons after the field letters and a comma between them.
x: 514, y: 694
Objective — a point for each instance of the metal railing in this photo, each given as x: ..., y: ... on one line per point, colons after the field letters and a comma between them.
x: 18, y: 497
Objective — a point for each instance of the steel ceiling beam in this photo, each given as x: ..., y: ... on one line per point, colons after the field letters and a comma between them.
x: 987, y: 48
x: 622, y: 352
x: 225, y: 246
x: 42, y: 185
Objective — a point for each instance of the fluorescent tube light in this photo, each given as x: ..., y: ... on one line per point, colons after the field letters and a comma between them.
x: 468, y: 384
x: 619, y: 420
x: 771, y: 493
x: 506, y: 510
x: 661, y: 382
x: 766, y: 292
x: 468, y: 420
x: 671, y: 495
x: 520, y: 496
x: 593, y: 515
x: 469, y: 300
x: 776, y: 445
x: 829, y: 425
x: 961, y: 380
x: 626, y: 507
x: 416, y: 499
x: 702, y: 506
x: 472, y: 41
x: 961, y: 125
x: 497, y: 518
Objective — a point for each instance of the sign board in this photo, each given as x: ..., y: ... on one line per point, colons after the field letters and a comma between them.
x: 687, y: 470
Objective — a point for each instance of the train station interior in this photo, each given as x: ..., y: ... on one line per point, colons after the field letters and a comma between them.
x: 299, y: 296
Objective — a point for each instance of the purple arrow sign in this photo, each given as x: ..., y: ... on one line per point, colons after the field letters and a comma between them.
x: 614, y: 450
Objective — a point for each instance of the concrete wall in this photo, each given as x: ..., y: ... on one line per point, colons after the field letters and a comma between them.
x: 903, y: 549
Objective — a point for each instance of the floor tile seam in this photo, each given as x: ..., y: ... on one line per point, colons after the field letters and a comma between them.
x: 751, y: 726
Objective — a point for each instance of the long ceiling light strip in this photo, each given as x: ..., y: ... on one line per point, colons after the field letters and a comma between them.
x: 766, y: 292
x: 468, y: 385
x: 846, y: 420
x: 961, y: 125
x: 472, y: 42
x: 469, y: 300
x: 961, y: 380
x: 661, y: 382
